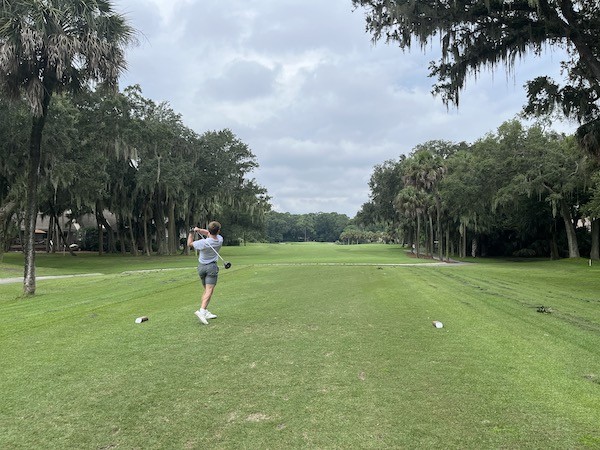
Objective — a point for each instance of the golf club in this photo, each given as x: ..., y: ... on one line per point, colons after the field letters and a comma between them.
x: 226, y: 264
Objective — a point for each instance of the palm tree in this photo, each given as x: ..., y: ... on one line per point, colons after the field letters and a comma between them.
x: 411, y: 203
x: 51, y: 46
x: 424, y: 170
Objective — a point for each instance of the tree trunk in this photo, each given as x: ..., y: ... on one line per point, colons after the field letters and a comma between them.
x: 173, y: 243
x: 418, y: 236
x: 448, y: 243
x: 159, y: 222
x: 6, y: 212
x: 474, y: 246
x: 50, y: 236
x: 595, y: 250
x: 31, y: 210
x: 147, y: 244
x: 69, y: 233
x: 554, y: 252
x: 570, y: 228
x: 60, y: 237
x: 100, y: 238
x: 438, y: 208
x: 55, y: 235
x: 132, y: 239
x: 431, y: 238
x: 463, y: 240
x: 188, y: 225
x: 104, y: 224
x: 121, y: 238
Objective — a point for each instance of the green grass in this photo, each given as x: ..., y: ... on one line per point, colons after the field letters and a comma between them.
x: 11, y: 264
x: 303, y: 355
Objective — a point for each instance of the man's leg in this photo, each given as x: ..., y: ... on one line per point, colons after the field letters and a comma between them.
x: 201, y: 313
x: 208, y: 292
x: 208, y: 276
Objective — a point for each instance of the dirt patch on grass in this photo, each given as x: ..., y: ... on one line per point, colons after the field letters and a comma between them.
x: 257, y: 417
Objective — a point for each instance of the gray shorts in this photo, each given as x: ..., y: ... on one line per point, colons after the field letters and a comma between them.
x: 208, y: 273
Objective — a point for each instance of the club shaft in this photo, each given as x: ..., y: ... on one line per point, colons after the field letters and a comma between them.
x: 213, y: 249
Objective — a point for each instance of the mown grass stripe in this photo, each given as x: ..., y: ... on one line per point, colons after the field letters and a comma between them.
x: 322, y: 356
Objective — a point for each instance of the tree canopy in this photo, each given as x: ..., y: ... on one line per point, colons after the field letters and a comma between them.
x: 127, y: 157
x: 475, y: 34
x: 52, y: 47
x: 320, y: 227
x: 518, y: 191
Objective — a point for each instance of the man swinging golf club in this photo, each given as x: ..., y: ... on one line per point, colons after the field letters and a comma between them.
x: 208, y: 270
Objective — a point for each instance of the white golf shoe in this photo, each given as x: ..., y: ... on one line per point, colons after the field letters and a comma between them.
x: 201, y: 317
x: 210, y: 315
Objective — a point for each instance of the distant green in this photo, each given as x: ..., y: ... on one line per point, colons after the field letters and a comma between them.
x: 305, y: 353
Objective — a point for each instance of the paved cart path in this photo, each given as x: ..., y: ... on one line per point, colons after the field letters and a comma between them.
x: 54, y: 277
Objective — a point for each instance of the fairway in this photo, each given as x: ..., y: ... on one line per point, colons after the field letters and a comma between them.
x: 310, y: 350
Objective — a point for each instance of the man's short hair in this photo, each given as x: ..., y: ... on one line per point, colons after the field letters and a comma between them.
x: 214, y: 227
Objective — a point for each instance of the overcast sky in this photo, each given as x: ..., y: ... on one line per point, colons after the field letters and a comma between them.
x: 302, y: 84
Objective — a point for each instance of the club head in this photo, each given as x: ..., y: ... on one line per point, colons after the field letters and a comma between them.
x: 227, y: 265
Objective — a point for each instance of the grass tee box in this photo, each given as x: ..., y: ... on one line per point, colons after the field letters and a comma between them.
x: 303, y: 355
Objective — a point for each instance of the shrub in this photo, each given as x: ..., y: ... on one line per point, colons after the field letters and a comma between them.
x: 525, y: 253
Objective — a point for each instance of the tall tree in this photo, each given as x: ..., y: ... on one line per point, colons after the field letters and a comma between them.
x: 412, y: 203
x: 13, y: 148
x: 547, y: 165
x: 329, y: 226
x: 277, y: 226
x: 424, y: 170
x: 305, y: 226
x: 385, y: 183
x: 63, y: 166
x: 246, y: 215
x: 51, y: 46
x: 593, y: 209
x: 106, y: 126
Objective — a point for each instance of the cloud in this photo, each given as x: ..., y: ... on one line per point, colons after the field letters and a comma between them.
x: 241, y: 81
x: 302, y: 84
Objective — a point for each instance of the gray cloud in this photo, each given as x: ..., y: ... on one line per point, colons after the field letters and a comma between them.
x: 241, y: 81
x: 301, y: 83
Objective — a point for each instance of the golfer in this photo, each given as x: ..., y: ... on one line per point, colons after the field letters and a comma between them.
x: 207, y: 264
